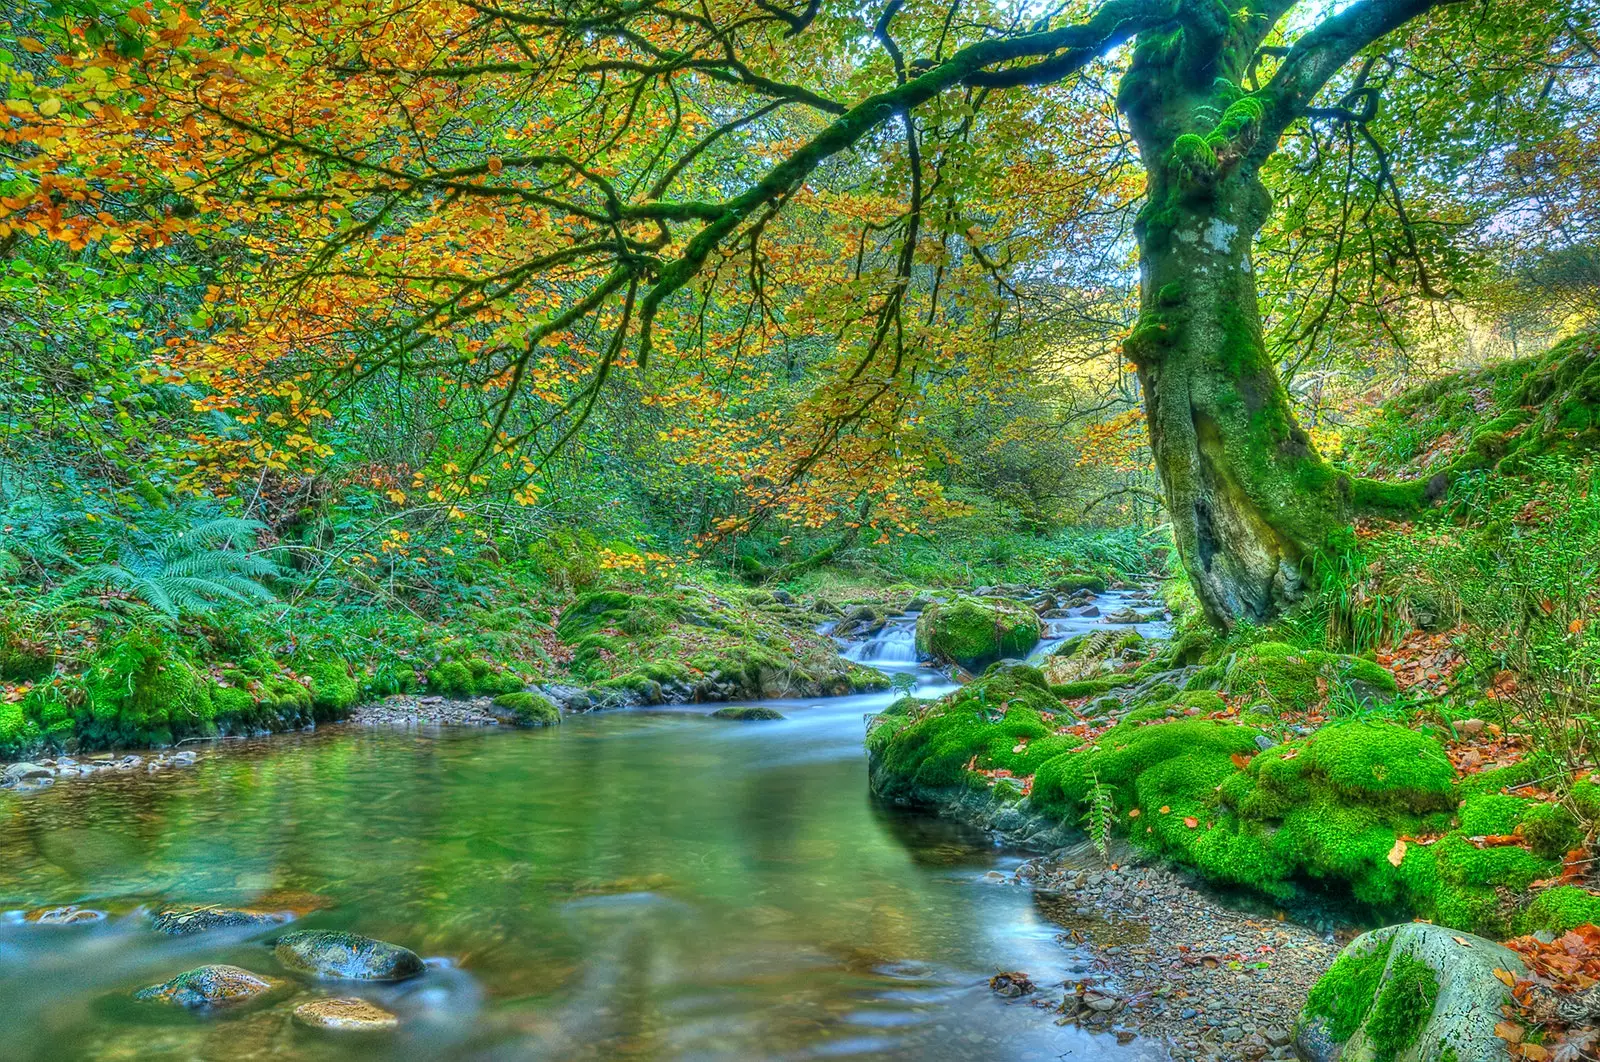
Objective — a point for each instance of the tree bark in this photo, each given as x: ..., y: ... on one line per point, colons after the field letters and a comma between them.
x: 1251, y: 502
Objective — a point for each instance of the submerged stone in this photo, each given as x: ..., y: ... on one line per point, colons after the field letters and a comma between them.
x: 349, y: 956
x: 348, y: 1014
x: 182, y: 921
x: 67, y: 915
x: 208, y: 986
x: 747, y: 713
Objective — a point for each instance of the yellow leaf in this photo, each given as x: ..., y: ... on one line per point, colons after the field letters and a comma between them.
x: 50, y: 107
x: 397, y: 496
x: 1506, y: 977
x: 1397, y: 853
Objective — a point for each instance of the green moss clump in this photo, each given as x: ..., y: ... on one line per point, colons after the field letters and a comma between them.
x: 1559, y: 909
x: 1298, y: 679
x: 995, y: 722
x: 471, y: 677
x: 333, y: 689
x: 529, y: 709
x: 13, y: 734
x: 975, y: 632
x: 1403, y: 1006
x: 1379, y: 764
x: 1344, y: 996
x: 1552, y: 831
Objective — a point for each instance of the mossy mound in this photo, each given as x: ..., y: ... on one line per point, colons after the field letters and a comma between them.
x: 997, y: 722
x: 1292, y: 679
x: 528, y: 709
x: 975, y: 632
x: 1332, y: 809
x: 1498, y: 418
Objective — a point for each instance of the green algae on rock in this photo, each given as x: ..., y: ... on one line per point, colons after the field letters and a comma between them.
x: 349, y: 956
x: 525, y: 709
x: 747, y: 713
x: 975, y: 632
x: 208, y: 986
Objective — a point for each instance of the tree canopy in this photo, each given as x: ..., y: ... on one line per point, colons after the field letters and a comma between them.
x: 798, y: 233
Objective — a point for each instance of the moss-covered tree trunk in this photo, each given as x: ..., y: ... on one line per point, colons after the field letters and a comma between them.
x: 1249, y: 498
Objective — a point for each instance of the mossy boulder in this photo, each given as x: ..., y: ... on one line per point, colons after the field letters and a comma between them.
x: 526, y: 709
x: 1409, y: 992
x: 348, y: 956
x: 208, y: 986
x: 975, y: 632
x: 747, y: 713
x: 1293, y: 679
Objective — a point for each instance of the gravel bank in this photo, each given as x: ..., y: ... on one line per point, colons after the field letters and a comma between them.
x: 1152, y: 955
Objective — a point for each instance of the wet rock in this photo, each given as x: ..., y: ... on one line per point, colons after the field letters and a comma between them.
x: 1090, y: 612
x: 747, y: 713
x: 783, y: 597
x: 182, y: 921
x: 347, y: 1014
x: 1011, y: 985
x: 208, y: 986
x: 22, y: 772
x: 346, y: 955
x: 68, y: 915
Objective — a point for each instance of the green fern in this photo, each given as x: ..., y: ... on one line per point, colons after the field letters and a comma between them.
x: 1100, y: 815
x: 176, y: 575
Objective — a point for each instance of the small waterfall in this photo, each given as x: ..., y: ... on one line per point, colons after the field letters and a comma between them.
x: 892, y: 645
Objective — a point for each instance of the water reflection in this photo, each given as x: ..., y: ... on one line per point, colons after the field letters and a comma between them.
x: 635, y: 885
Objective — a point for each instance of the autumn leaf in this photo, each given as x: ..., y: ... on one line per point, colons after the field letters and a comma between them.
x: 1190, y: 821
x: 1397, y: 853
x: 1509, y: 1031
x: 1505, y: 977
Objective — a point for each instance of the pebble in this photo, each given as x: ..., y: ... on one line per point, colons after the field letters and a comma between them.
x: 425, y: 711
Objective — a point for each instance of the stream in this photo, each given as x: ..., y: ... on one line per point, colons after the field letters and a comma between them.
x: 634, y: 884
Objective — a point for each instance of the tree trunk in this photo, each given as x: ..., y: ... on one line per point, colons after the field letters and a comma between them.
x: 1250, y: 500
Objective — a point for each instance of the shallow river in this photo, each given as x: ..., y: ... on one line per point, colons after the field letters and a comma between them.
x: 643, y: 884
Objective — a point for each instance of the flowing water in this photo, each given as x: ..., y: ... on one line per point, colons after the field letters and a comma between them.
x: 641, y: 884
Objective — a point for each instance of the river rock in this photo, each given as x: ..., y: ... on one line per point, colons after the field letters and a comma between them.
x: 182, y: 921
x: 347, y: 1014
x: 208, y: 986
x: 346, y: 955
x: 22, y: 772
x: 67, y: 915
x: 747, y: 713
x: 1465, y: 1011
